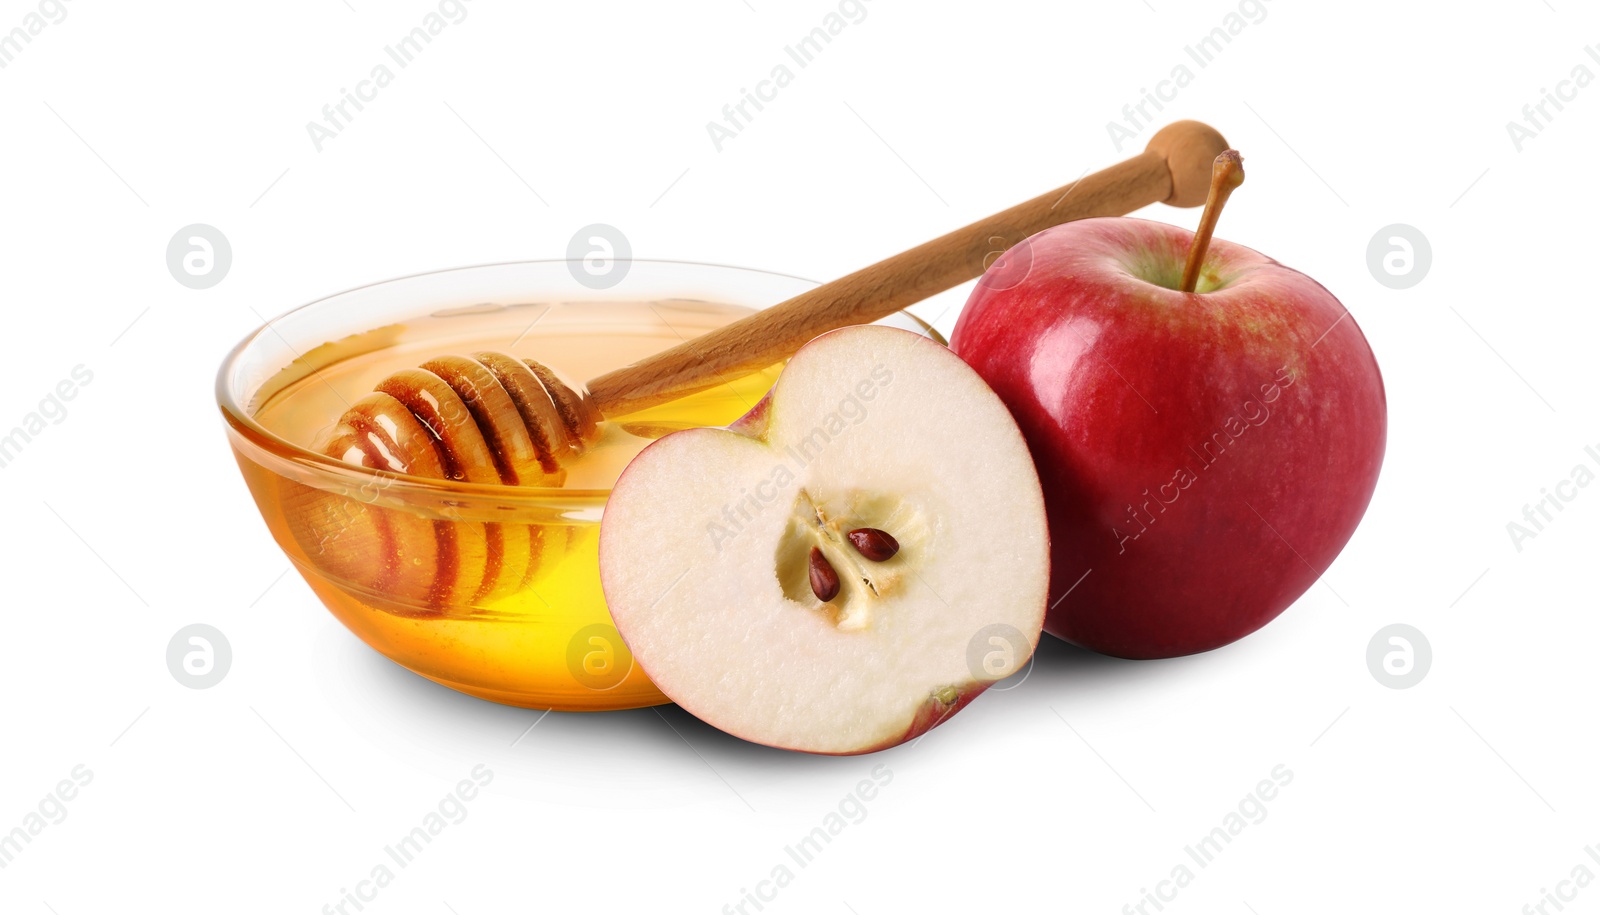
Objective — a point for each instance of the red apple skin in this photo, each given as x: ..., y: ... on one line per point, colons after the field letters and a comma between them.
x: 933, y: 713
x: 1169, y: 545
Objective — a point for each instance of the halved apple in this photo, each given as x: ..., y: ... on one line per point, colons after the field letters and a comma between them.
x: 846, y: 566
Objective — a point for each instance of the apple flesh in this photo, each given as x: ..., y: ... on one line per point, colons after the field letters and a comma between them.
x: 1204, y: 456
x: 846, y: 566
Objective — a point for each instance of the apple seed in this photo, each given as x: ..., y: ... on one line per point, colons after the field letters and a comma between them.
x: 824, y: 580
x: 874, y: 544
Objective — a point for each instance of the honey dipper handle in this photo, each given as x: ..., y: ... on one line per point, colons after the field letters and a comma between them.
x: 1174, y: 168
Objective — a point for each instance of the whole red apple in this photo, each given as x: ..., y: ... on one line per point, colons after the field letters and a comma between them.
x: 1204, y: 455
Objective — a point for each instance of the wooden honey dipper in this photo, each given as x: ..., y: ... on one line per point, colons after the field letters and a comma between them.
x: 493, y: 418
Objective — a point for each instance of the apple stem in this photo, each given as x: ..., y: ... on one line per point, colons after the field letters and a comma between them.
x: 1227, y: 173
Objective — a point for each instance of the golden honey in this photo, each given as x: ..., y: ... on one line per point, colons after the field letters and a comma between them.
x: 489, y: 589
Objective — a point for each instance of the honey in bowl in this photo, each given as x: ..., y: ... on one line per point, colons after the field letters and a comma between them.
x: 488, y: 588
x: 508, y: 610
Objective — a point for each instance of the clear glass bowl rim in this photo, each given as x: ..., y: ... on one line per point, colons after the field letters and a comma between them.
x: 327, y: 473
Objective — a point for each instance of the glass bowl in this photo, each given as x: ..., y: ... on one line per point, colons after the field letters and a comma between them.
x: 489, y: 589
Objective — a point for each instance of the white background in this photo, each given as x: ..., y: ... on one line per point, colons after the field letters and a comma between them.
x: 1075, y: 790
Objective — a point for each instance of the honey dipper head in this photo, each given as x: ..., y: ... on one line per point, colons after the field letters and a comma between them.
x: 1189, y: 148
x: 488, y: 418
